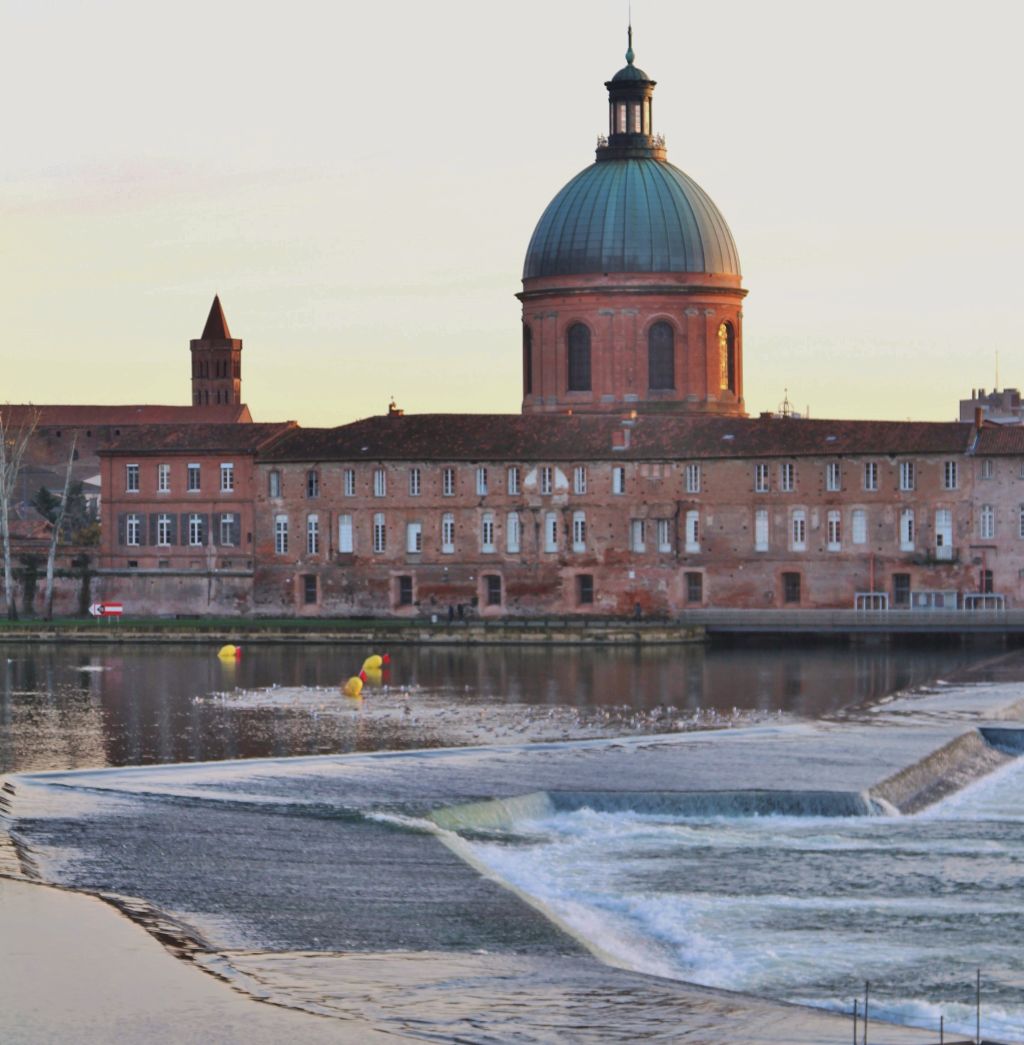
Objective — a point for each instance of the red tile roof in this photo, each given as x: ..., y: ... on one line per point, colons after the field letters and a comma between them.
x: 91, y: 416
x: 540, y: 437
x: 169, y: 439
x: 1000, y: 439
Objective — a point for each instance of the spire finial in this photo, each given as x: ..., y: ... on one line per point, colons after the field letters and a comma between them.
x: 629, y: 35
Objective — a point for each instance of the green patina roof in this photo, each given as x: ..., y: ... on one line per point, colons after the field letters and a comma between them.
x: 631, y: 215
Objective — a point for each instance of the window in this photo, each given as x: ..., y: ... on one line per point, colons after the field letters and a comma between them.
x: 349, y: 482
x: 481, y: 482
x: 414, y: 482
x: 907, y: 530
x: 762, y: 484
x: 661, y: 353
x: 131, y: 478
x: 987, y: 528
x: 761, y: 530
x: 281, y: 534
x: 833, y: 477
x: 901, y: 589
x: 579, y: 531
x: 579, y: 358
x: 404, y: 590
x: 309, y: 589
x: 380, y: 533
x: 870, y: 475
x: 585, y: 589
x: 987, y: 582
x: 637, y: 533
x: 949, y: 475
x: 859, y: 529
x: 133, y: 530
x: 693, y: 531
x: 791, y: 587
x: 664, y: 535
x: 312, y: 483
x: 448, y: 533
x: 787, y: 477
x: 163, y: 478
x: 908, y: 478
x: 196, y: 537
x: 727, y: 357
x: 693, y: 478
x: 579, y: 479
x: 513, y: 479
x: 346, y: 543
x: 274, y: 483
x: 414, y: 538
x: 551, y: 532
x: 163, y: 531
x: 695, y: 587
x: 380, y: 482
x: 487, y: 532
x: 192, y: 481
x: 227, y: 529
x: 527, y: 360
x: 798, y: 530
x: 545, y: 479
x: 943, y: 533
x: 1020, y: 522
x: 227, y: 478
x: 448, y: 482
x: 622, y: 118
x: 834, y: 531
x: 618, y: 479
x: 513, y: 533
x: 988, y: 468
x: 493, y: 582
x: 312, y: 534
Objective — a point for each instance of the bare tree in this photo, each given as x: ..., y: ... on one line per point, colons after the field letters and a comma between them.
x: 14, y: 440
x: 58, y: 525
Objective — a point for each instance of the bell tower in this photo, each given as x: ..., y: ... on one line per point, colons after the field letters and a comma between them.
x: 216, y: 362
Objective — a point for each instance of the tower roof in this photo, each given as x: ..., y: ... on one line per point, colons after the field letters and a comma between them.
x: 216, y: 328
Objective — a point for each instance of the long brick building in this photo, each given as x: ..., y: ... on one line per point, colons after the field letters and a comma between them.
x: 632, y: 477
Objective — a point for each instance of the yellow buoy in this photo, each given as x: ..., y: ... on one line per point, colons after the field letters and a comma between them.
x: 228, y: 652
x: 374, y: 675
x: 373, y: 663
x: 354, y: 687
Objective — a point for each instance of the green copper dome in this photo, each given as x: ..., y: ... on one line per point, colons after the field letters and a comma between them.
x: 631, y: 215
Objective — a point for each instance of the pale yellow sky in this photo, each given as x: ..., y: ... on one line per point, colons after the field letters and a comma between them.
x: 359, y: 182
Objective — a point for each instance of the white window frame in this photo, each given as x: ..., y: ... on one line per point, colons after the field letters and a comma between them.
x: 833, y: 477
x: 787, y: 476
x: 274, y: 484
x: 637, y: 536
x: 195, y: 530
x: 551, y: 532
x: 346, y: 535
x: 693, y: 478
x: 870, y: 475
x: 448, y: 533
x: 487, y: 533
x: 579, y: 479
x: 313, y: 534
x: 414, y: 538
x: 163, y: 531
x: 280, y: 534
x: 163, y: 478
x: 579, y: 531
x: 193, y: 478
x: 907, y: 530
x: 762, y: 478
x: 312, y: 483
x: 762, y: 531
x: 908, y: 476
x: 227, y: 525
x: 133, y: 530
x: 664, y: 535
x: 950, y: 475
x: 547, y: 479
x: 943, y: 528
x: 227, y: 477
x: 481, y: 481
x: 131, y: 478
x: 380, y: 482
x: 692, y: 532
x: 859, y: 526
x: 349, y: 482
x: 415, y: 482
x: 512, y: 479
x: 447, y: 482
x: 988, y: 468
x: 513, y: 533
x: 618, y: 479
x: 834, y: 531
x: 380, y: 533
x: 798, y: 530
x: 987, y: 523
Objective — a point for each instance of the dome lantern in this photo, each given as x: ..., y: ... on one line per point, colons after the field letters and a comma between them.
x: 630, y: 113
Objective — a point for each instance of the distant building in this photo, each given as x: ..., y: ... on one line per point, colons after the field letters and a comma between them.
x: 1000, y: 407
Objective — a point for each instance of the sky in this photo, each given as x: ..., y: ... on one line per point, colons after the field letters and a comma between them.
x: 359, y: 183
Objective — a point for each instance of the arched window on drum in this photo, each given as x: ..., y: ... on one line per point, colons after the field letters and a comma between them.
x: 661, y: 356
x: 527, y: 359
x: 579, y: 358
x: 727, y: 357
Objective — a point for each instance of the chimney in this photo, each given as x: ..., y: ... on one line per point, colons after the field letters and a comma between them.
x: 979, y: 416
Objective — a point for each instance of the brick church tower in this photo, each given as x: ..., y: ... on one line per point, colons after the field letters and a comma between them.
x: 216, y: 362
x: 631, y: 288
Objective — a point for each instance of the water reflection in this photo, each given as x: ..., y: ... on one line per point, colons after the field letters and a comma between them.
x: 76, y: 706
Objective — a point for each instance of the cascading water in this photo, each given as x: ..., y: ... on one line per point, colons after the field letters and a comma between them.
x: 732, y: 890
